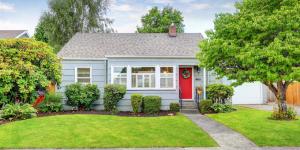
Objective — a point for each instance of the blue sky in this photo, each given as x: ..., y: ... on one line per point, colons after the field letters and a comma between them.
x: 198, y: 14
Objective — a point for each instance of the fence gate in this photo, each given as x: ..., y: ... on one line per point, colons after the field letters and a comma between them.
x: 293, y: 94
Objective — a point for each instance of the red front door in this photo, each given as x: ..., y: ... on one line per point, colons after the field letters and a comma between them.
x: 186, y: 83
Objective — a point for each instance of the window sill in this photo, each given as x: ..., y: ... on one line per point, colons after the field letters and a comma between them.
x: 152, y: 89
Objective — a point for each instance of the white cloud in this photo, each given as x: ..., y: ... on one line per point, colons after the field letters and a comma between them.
x: 123, y: 8
x: 185, y: 1
x: 200, y: 6
x: 228, y: 6
x: 163, y: 1
x: 5, y: 7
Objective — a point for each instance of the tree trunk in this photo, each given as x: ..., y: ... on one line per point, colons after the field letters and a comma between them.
x: 280, y: 92
x: 281, y: 97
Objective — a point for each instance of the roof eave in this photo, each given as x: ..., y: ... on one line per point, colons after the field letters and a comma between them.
x: 132, y: 56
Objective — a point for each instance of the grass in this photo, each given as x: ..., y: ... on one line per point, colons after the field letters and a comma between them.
x: 103, y: 131
x: 255, y: 125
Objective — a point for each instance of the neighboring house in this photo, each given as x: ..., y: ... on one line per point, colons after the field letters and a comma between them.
x: 9, y: 34
x: 162, y: 64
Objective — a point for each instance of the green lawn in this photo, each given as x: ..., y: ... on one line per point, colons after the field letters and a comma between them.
x: 255, y: 125
x: 103, y: 131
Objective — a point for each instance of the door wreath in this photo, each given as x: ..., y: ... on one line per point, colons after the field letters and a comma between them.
x: 186, y: 74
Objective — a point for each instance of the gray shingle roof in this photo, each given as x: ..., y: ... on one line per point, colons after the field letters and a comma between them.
x: 99, y: 45
x: 4, y: 34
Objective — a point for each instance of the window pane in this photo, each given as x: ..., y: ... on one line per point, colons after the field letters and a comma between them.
x: 146, y: 81
x: 123, y: 81
x: 120, y: 75
x: 166, y: 83
x: 120, y: 70
x: 83, y: 72
x: 133, y: 81
x: 153, y: 81
x: 140, y: 80
x: 80, y: 80
x: 166, y: 77
x: 143, y: 70
x: 166, y: 69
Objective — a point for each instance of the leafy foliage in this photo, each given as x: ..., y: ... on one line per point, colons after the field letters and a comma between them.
x: 113, y: 93
x: 205, y: 106
x: 151, y: 104
x: 291, y: 114
x: 259, y: 42
x: 136, y: 102
x: 219, y: 93
x: 26, y: 66
x: 65, y: 18
x: 159, y: 21
x: 82, y: 96
x: 222, y: 108
x: 174, y: 107
x: 18, y: 111
x: 51, y: 103
x: 40, y: 34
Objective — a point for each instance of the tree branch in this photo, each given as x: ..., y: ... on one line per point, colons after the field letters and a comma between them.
x: 271, y: 87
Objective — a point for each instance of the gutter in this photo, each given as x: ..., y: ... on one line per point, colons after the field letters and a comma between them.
x: 132, y: 56
x: 69, y: 58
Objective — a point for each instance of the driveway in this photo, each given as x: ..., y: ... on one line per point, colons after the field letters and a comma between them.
x: 269, y: 107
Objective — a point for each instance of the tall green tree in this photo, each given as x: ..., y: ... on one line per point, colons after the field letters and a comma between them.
x: 260, y: 42
x: 67, y: 17
x: 26, y: 66
x: 159, y: 21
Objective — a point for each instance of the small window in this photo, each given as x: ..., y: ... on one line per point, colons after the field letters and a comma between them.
x: 143, y: 77
x: 166, y: 77
x: 119, y: 75
x: 83, y: 75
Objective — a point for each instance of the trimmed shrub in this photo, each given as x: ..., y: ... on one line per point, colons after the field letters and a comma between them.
x: 219, y: 93
x: 82, y: 96
x: 174, y: 107
x: 222, y: 108
x: 205, y: 106
x: 291, y: 114
x: 136, y: 102
x: 92, y: 94
x: 113, y: 93
x: 17, y: 112
x: 152, y: 104
x: 52, y: 103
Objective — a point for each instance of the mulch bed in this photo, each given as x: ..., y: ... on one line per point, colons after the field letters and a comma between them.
x: 94, y: 112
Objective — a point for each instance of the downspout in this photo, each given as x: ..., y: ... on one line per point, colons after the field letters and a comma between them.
x: 204, y: 83
x: 106, y: 71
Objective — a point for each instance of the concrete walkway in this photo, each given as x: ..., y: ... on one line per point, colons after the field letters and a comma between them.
x: 269, y: 107
x: 224, y: 136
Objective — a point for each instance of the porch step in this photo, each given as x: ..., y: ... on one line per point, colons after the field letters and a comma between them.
x: 189, y: 111
x: 189, y: 107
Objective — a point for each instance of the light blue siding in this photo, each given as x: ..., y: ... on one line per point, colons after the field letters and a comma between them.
x: 99, y: 77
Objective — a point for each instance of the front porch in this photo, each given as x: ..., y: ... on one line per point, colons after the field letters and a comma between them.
x: 192, y: 83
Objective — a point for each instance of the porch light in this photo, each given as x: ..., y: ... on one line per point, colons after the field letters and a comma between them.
x: 198, y: 69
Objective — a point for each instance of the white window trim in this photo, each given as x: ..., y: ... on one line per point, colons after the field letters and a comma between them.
x: 131, y: 88
x: 157, y: 77
x: 174, y: 77
x: 76, y: 70
x: 112, y: 74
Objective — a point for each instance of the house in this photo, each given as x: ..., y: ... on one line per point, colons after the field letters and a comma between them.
x: 162, y: 64
x: 8, y: 34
